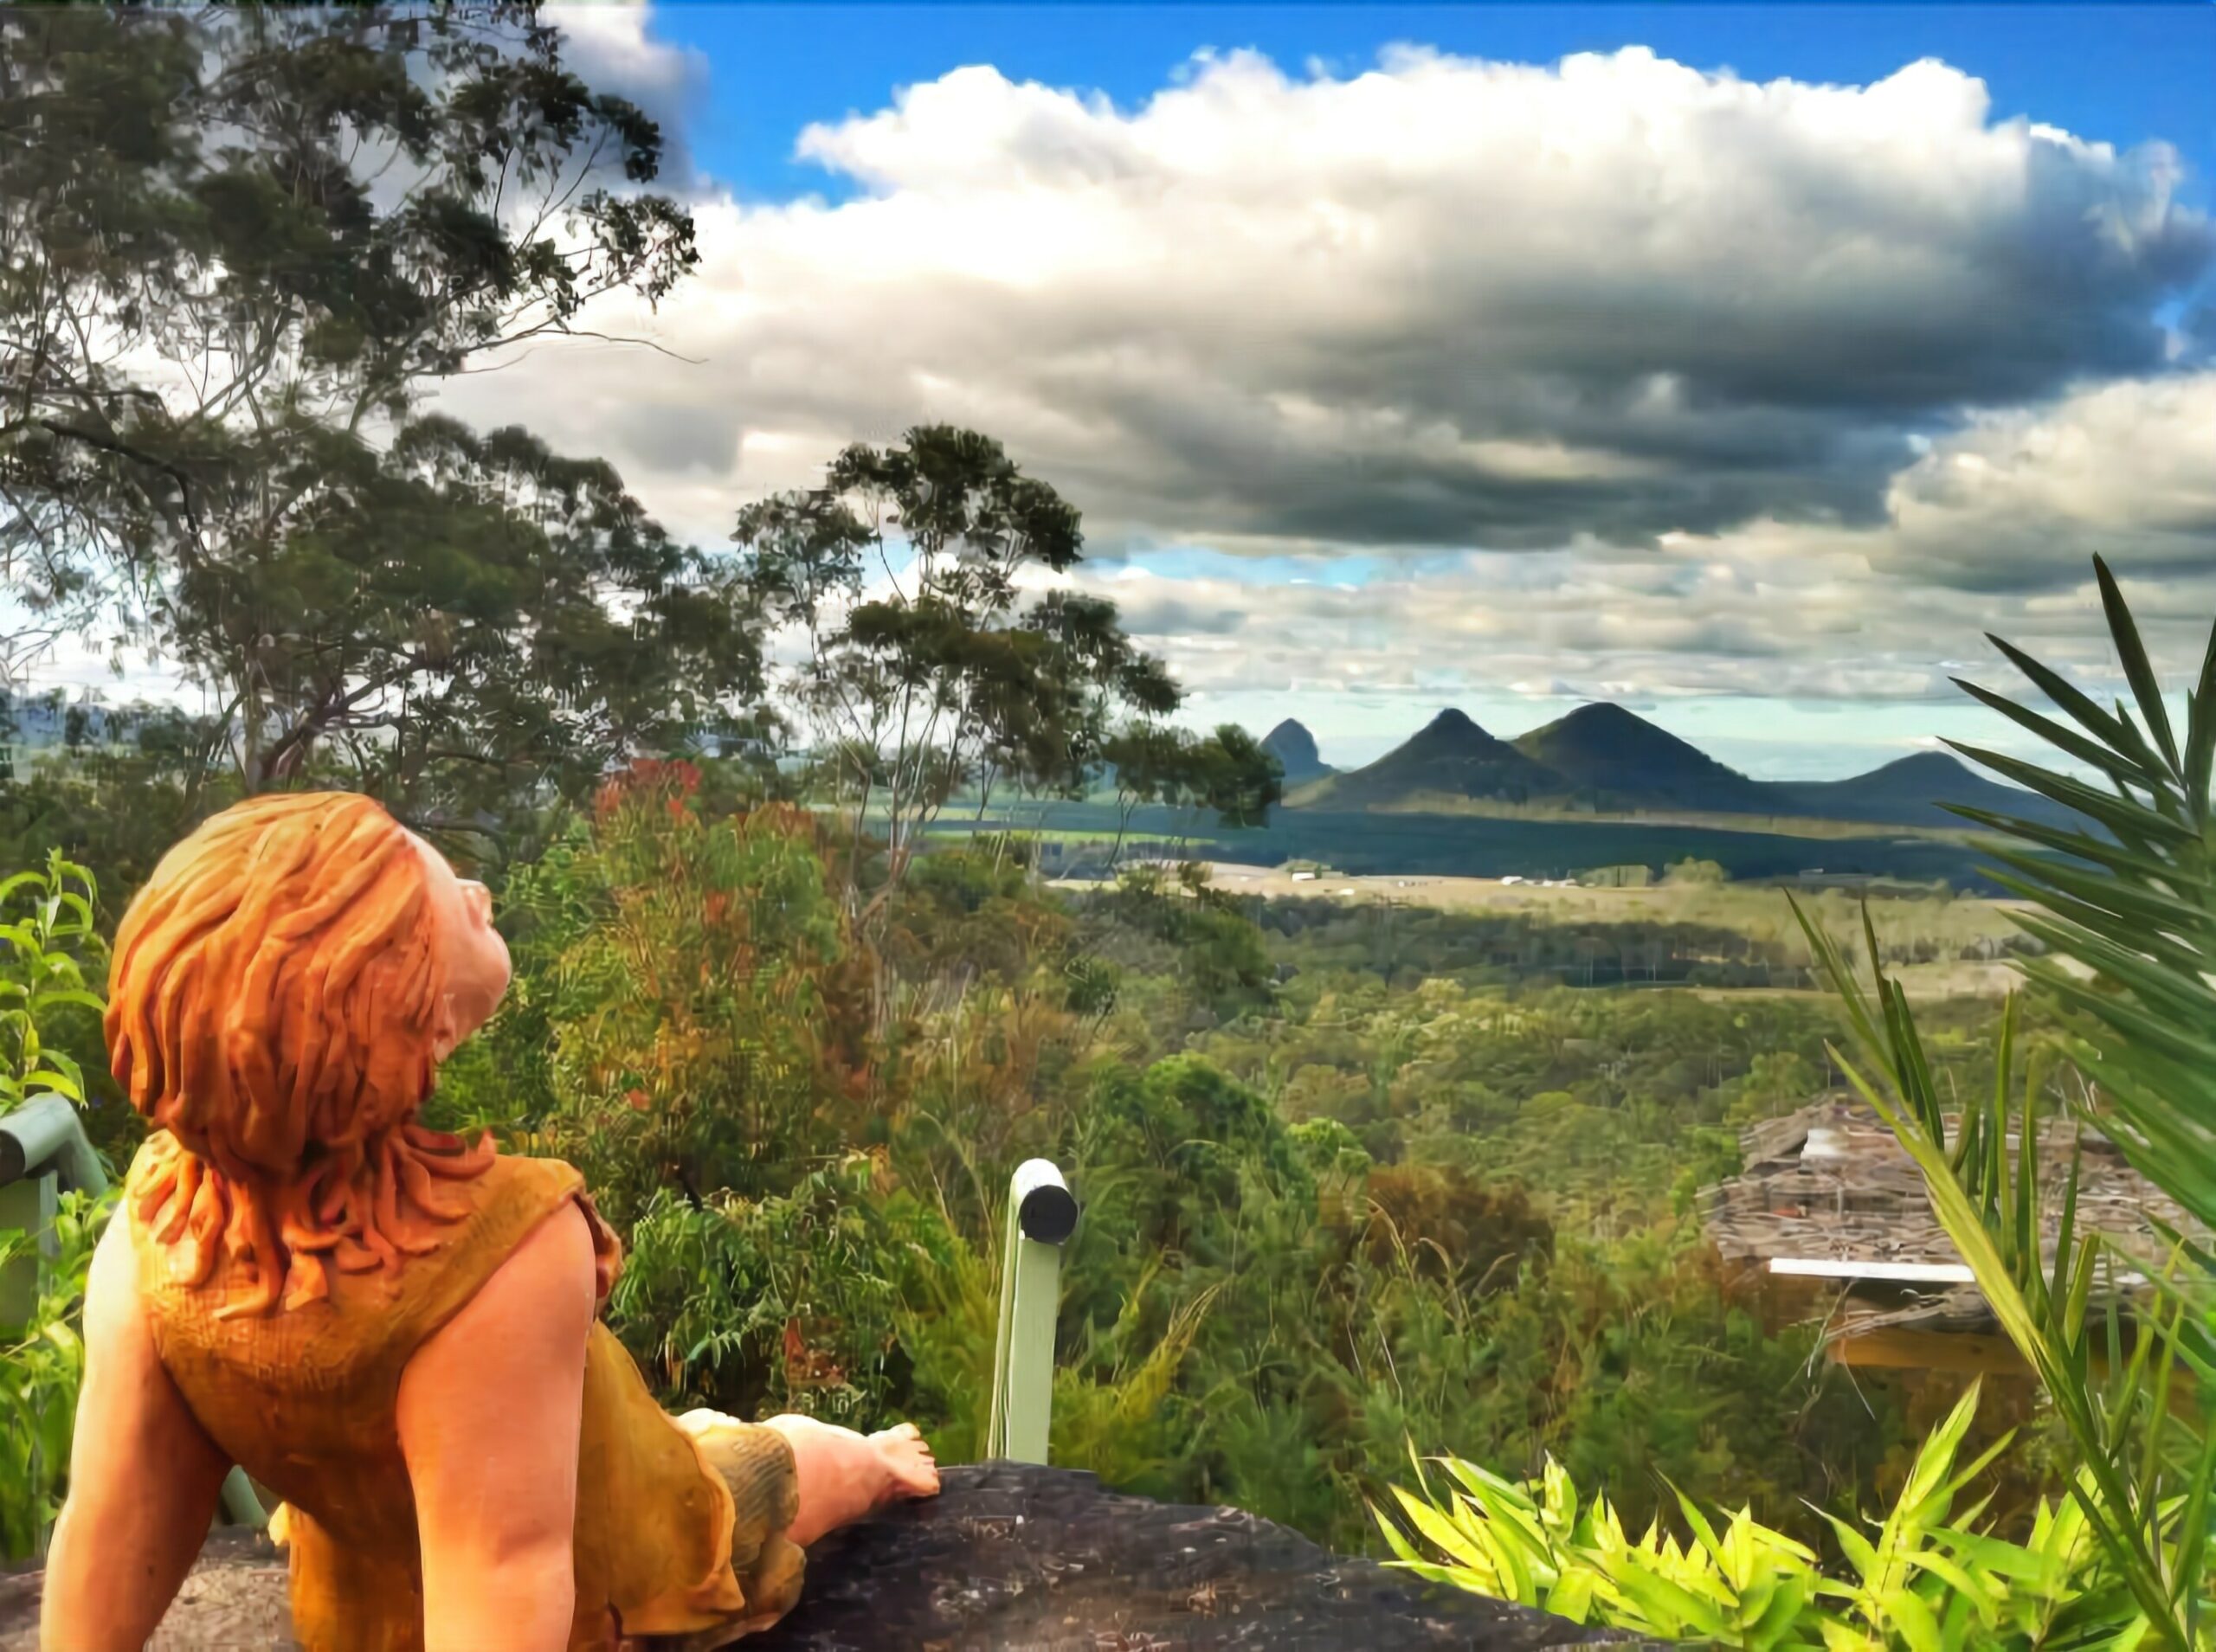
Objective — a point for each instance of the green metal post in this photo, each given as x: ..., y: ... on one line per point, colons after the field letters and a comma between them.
x: 1041, y: 1215
x: 28, y: 1205
x: 43, y: 1153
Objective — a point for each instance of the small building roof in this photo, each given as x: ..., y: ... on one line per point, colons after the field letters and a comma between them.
x: 1829, y: 1194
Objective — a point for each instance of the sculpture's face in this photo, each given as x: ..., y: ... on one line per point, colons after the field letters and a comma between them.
x: 475, y: 956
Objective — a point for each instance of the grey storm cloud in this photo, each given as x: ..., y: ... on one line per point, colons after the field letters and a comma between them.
x: 1442, y: 304
x: 684, y: 439
x: 1774, y: 389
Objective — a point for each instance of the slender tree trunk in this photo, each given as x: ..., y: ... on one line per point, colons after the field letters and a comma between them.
x: 1124, y: 805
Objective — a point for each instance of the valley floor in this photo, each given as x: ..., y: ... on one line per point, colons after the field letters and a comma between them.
x: 1957, y: 924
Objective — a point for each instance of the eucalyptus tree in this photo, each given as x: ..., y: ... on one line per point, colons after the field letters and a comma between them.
x: 238, y: 246
x: 931, y: 654
x: 1227, y: 774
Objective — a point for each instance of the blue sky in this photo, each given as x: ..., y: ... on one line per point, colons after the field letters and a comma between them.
x: 2125, y: 73
x: 1749, y: 406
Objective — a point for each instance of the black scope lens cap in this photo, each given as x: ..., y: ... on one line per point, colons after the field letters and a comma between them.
x: 1047, y: 1214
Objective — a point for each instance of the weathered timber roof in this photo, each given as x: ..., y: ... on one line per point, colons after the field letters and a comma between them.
x: 1829, y: 1182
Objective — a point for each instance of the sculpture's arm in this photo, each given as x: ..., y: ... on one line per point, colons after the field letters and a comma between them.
x: 489, y: 1413
x: 143, y: 1478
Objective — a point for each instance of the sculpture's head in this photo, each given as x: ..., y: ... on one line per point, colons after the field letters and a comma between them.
x: 283, y: 990
x: 291, y: 976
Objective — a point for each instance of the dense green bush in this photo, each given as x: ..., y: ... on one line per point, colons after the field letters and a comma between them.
x: 50, y: 1001
x: 41, y: 1370
x: 1925, y: 1577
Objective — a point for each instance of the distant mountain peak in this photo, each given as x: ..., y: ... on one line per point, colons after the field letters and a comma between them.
x: 1295, y: 749
x: 1608, y: 751
x: 1598, y: 716
x: 1933, y: 765
x: 1452, y: 730
x: 1914, y: 789
x: 1449, y: 757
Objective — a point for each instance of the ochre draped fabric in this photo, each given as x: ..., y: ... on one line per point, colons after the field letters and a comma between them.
x: 304, y: 1401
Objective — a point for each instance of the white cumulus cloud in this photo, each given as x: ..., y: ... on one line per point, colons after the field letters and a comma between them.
x: 1441, y: 303
x: 1778, y: 389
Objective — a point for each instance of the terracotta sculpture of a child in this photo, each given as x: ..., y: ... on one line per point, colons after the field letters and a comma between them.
x: 394, y: 1330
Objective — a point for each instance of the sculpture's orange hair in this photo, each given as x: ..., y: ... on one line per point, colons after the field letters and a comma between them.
x: 276, y: 991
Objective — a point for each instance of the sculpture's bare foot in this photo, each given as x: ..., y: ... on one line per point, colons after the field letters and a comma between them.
x: 845, y: 1475
x: 912, y: 1471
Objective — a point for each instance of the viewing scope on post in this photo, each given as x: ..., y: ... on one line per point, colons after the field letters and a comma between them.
x: 1041, y: 1216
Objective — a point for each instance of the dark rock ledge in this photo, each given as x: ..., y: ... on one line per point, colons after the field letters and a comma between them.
x: 1007, y: 1556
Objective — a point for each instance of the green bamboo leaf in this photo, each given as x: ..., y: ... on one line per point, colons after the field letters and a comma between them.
x: 2128, y: 819
x: 54, y: 997
x: 2201, y: 733
x: 2079, y: 706
x: 1982, y: 1598
x: 1962, y: 1477
x: 1399, y: 1546
x: 1515, y: 1532
x: 18, y: 880
x: 1841, y: 1637
x: 2138, y: 671
x: 2091, y: 752
x: 1859, y: 1550
x: 1912, y: 1620
x: 1753, y: 1594
x: 2008, y: 1559
x: 1454, y: 1576
x: 1702, y: 1532
x: 1671, y: 1609
x: 1780, y: 1620
x: 1444, y: 1535
x: 1928, y: 1474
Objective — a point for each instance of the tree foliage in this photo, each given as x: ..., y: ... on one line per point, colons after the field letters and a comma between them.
x: 237, y: 246
x: 52, y: 992
x: 928, y: 664
x: 691, y: 1011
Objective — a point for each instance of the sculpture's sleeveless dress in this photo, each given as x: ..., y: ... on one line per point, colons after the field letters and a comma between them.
x: 304, y: 1401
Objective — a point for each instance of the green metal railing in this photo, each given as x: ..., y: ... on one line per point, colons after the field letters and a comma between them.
x: 43, y: 1155
x: 1041, y: 1216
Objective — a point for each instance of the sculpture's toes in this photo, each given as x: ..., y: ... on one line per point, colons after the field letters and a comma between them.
x: 908, y: 1461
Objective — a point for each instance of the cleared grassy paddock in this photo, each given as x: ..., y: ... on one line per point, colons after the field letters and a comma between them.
x: 1395, y: 844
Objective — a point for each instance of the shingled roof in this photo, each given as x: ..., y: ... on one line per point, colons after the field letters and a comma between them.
x: 1827, y: 1191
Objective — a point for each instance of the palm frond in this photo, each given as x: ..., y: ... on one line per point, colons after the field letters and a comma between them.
x: 2125, y: 911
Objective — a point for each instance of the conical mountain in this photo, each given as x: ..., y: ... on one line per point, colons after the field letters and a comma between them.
x: 1912, y: 790
x: 1609, y: 754
x: 1449, y: 757
x: 1294, y: 748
